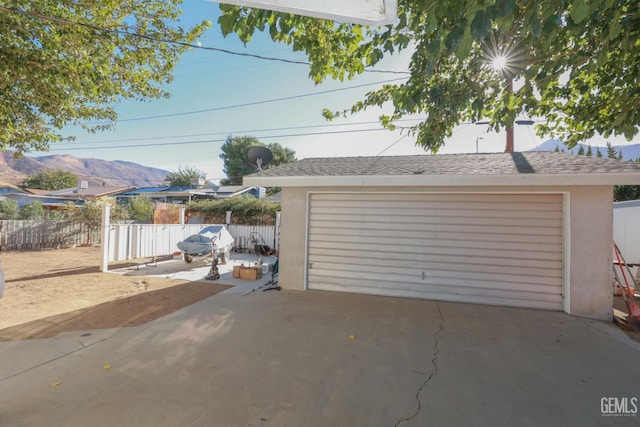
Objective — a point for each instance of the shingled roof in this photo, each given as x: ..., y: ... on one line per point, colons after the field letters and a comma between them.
x: 526, y: 168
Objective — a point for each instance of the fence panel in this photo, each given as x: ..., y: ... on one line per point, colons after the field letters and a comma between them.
x: 126, y: 241
x: 243, y: 234
x: 16, y: 235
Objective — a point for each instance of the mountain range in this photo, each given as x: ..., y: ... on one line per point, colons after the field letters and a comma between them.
x: 118, y: 173
x: 96, y: 172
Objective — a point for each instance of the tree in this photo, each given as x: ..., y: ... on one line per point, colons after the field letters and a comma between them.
x: 598, y: 152
x: 50, y: 180
x: 33, y: 210
x: 68, y: 63
x: 8, y: 208
x: 234, y: 154
x: 589, y: 152
x: 574, y: 62
x: 611, y: 152
x: 581, y: 150
x: 141, y: 209
x: 183, y: 176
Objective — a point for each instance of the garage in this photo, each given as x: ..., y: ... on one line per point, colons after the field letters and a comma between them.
x: 500, y: 249
x: 530, y: 229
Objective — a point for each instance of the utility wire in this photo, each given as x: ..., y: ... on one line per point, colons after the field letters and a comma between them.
x: 248, y: 104
x: 215, y: 140
x: 232, y: 132
x: 174, y: 42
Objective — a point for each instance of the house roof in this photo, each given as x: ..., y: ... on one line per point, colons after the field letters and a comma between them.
x: 526, y: 168
x: 91, y: 192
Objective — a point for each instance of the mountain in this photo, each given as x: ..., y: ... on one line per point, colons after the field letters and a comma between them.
x: 95, y: 171
x: 629, y: 152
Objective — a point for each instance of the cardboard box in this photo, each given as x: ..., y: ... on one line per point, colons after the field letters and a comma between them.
x: 236, y: 271
x: 250, y: 273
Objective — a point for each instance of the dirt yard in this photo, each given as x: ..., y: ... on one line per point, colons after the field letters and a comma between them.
x: 52, y: 291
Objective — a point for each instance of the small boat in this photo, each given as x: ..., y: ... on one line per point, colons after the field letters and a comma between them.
x: 214, y: 237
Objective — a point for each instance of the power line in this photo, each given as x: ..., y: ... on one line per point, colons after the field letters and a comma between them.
x: 234, y: 132
x: 215, y: 140
x: 248, y: 104
x: 168, y: 41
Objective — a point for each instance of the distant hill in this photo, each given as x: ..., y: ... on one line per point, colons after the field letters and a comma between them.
x: 95, y: 171
x: 629, y: 152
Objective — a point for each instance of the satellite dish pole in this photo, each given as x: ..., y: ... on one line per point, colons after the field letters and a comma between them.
x: 259, y: 157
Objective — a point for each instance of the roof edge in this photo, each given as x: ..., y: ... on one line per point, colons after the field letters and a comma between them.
x: 583, y: 179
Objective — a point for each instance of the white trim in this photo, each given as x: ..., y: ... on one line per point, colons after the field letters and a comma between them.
x: 365, y: 12
x: 306, y: 241
x: 507, y: 180
x: 566, y: 252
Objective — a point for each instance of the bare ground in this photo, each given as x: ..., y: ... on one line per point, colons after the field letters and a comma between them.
x: 52, y: 291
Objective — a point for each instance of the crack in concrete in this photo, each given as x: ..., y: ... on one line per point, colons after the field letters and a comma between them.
x: 434, y: 362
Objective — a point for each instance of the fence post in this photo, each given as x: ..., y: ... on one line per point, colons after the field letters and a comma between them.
x: 276, y: 233
x: 106, y: 217
x: 227, y: 220
x: 182, y: 212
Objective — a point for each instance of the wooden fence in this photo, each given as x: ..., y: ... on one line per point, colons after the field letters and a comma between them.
x: 25, y: 235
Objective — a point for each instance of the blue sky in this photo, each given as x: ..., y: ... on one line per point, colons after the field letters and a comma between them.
x: 171, y: 133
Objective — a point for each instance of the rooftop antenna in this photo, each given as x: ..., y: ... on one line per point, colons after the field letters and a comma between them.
x: 259, y: 157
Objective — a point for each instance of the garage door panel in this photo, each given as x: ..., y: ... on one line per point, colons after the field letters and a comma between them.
x: 504, y: 221
x: 384, y: 240
x: 525, y: 268
x: 447, y: 274
x: 542, y: 301
x: 384, y: 211
x: 435, y: 232
x: 461, y: 253
x: 368, y: 226
x: 539, y: 199
x: 377, y: 257
x: 498, y: 247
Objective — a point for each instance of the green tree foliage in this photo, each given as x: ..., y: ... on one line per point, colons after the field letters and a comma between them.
x: 183, y: 176
x: 234, y: 155
x: 581, y: 150
x: 51, y: 180
x: 611, y: 152
x: 140, y: 208
x: 574, y: 62
x: 245, y: 210
x: 598, y: 152
x: 589, y: 152
x: 68, y: 62
x: 90, y: 213
x: 33, y: 210
x: 8, y: 208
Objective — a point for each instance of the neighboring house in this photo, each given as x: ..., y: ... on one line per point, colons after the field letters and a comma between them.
x: 180, y: 195
x: 171, y: 195
x: 84, y: 192
x: 24, y: 197
x: 238, y: 190
x: 527, y: 229
x: 6, y: 188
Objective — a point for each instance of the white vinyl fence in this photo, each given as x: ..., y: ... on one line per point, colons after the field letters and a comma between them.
x: 130, y: 241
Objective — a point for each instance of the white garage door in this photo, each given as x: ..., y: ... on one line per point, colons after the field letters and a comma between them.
x: 483, y: 248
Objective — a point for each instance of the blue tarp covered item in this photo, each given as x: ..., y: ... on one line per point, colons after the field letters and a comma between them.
x: 200, y: 244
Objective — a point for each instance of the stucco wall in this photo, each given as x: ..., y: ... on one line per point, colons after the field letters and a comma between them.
x: 588, y: 232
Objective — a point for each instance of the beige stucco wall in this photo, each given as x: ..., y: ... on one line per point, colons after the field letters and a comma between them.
x: 588, y: 236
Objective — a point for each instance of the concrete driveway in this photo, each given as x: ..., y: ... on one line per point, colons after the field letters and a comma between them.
x: 327, y: 359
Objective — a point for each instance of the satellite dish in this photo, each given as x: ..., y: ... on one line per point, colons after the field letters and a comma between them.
x: 259, y: 157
